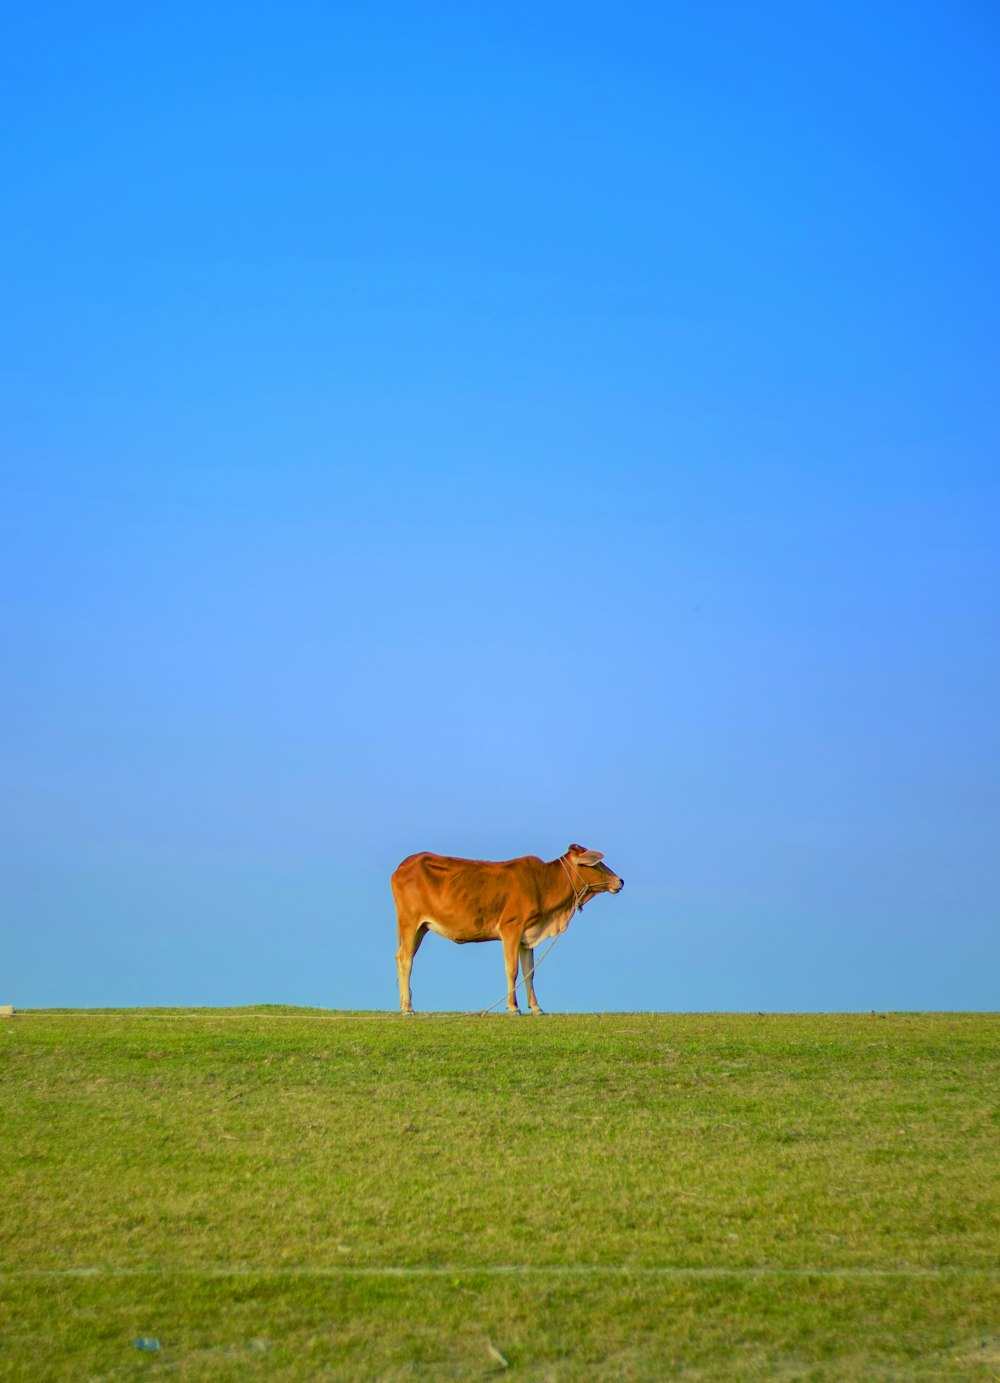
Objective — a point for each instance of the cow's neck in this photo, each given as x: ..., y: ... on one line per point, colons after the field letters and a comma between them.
x: 577, y: 895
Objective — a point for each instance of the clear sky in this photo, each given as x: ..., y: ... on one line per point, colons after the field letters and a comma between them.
x: 480, y: 428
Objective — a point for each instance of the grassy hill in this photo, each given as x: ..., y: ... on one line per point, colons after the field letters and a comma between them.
x: 295, y: 1194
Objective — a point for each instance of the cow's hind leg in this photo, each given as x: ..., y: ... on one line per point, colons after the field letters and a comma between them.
x: 528, y: 971
x: 410, y: 937
x: 511, y: 945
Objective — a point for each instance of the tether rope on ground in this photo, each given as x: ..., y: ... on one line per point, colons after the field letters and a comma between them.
x: 334, y: 1015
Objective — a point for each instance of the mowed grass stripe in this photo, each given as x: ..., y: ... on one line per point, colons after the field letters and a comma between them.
x: 504, y: 1270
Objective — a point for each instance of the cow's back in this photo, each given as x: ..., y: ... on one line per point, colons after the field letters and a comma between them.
x: 454, y: 892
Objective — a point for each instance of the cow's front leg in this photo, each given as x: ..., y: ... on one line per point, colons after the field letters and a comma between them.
x: 511, y: 943
x: 528, y: 971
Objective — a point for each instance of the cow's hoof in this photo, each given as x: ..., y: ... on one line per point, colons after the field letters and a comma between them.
x: 513, y: 1013
x: 407, y: 1013
x: 538, y: 1013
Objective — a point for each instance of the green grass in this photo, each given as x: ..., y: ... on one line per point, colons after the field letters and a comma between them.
x: 294, y: 1194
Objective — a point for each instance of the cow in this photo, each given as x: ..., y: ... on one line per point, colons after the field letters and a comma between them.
x: 519, y: 902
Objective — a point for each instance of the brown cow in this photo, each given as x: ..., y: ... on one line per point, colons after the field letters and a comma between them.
x: 518, y: 902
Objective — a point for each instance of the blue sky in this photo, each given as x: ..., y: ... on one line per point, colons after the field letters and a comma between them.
x: 480, y: 429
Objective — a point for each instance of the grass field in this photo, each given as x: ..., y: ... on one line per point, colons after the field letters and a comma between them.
x: 296, y: 1194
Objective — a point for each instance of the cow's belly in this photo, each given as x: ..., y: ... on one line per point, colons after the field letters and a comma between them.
x: 461, y: 932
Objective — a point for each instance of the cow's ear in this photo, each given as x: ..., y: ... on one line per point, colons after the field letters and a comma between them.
x: 582, y: 856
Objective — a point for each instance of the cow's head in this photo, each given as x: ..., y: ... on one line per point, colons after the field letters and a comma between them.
x: 597, y: 876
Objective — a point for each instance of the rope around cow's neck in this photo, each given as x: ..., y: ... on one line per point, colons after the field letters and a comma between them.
x: 577, y: 897
x: 578, y: 905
